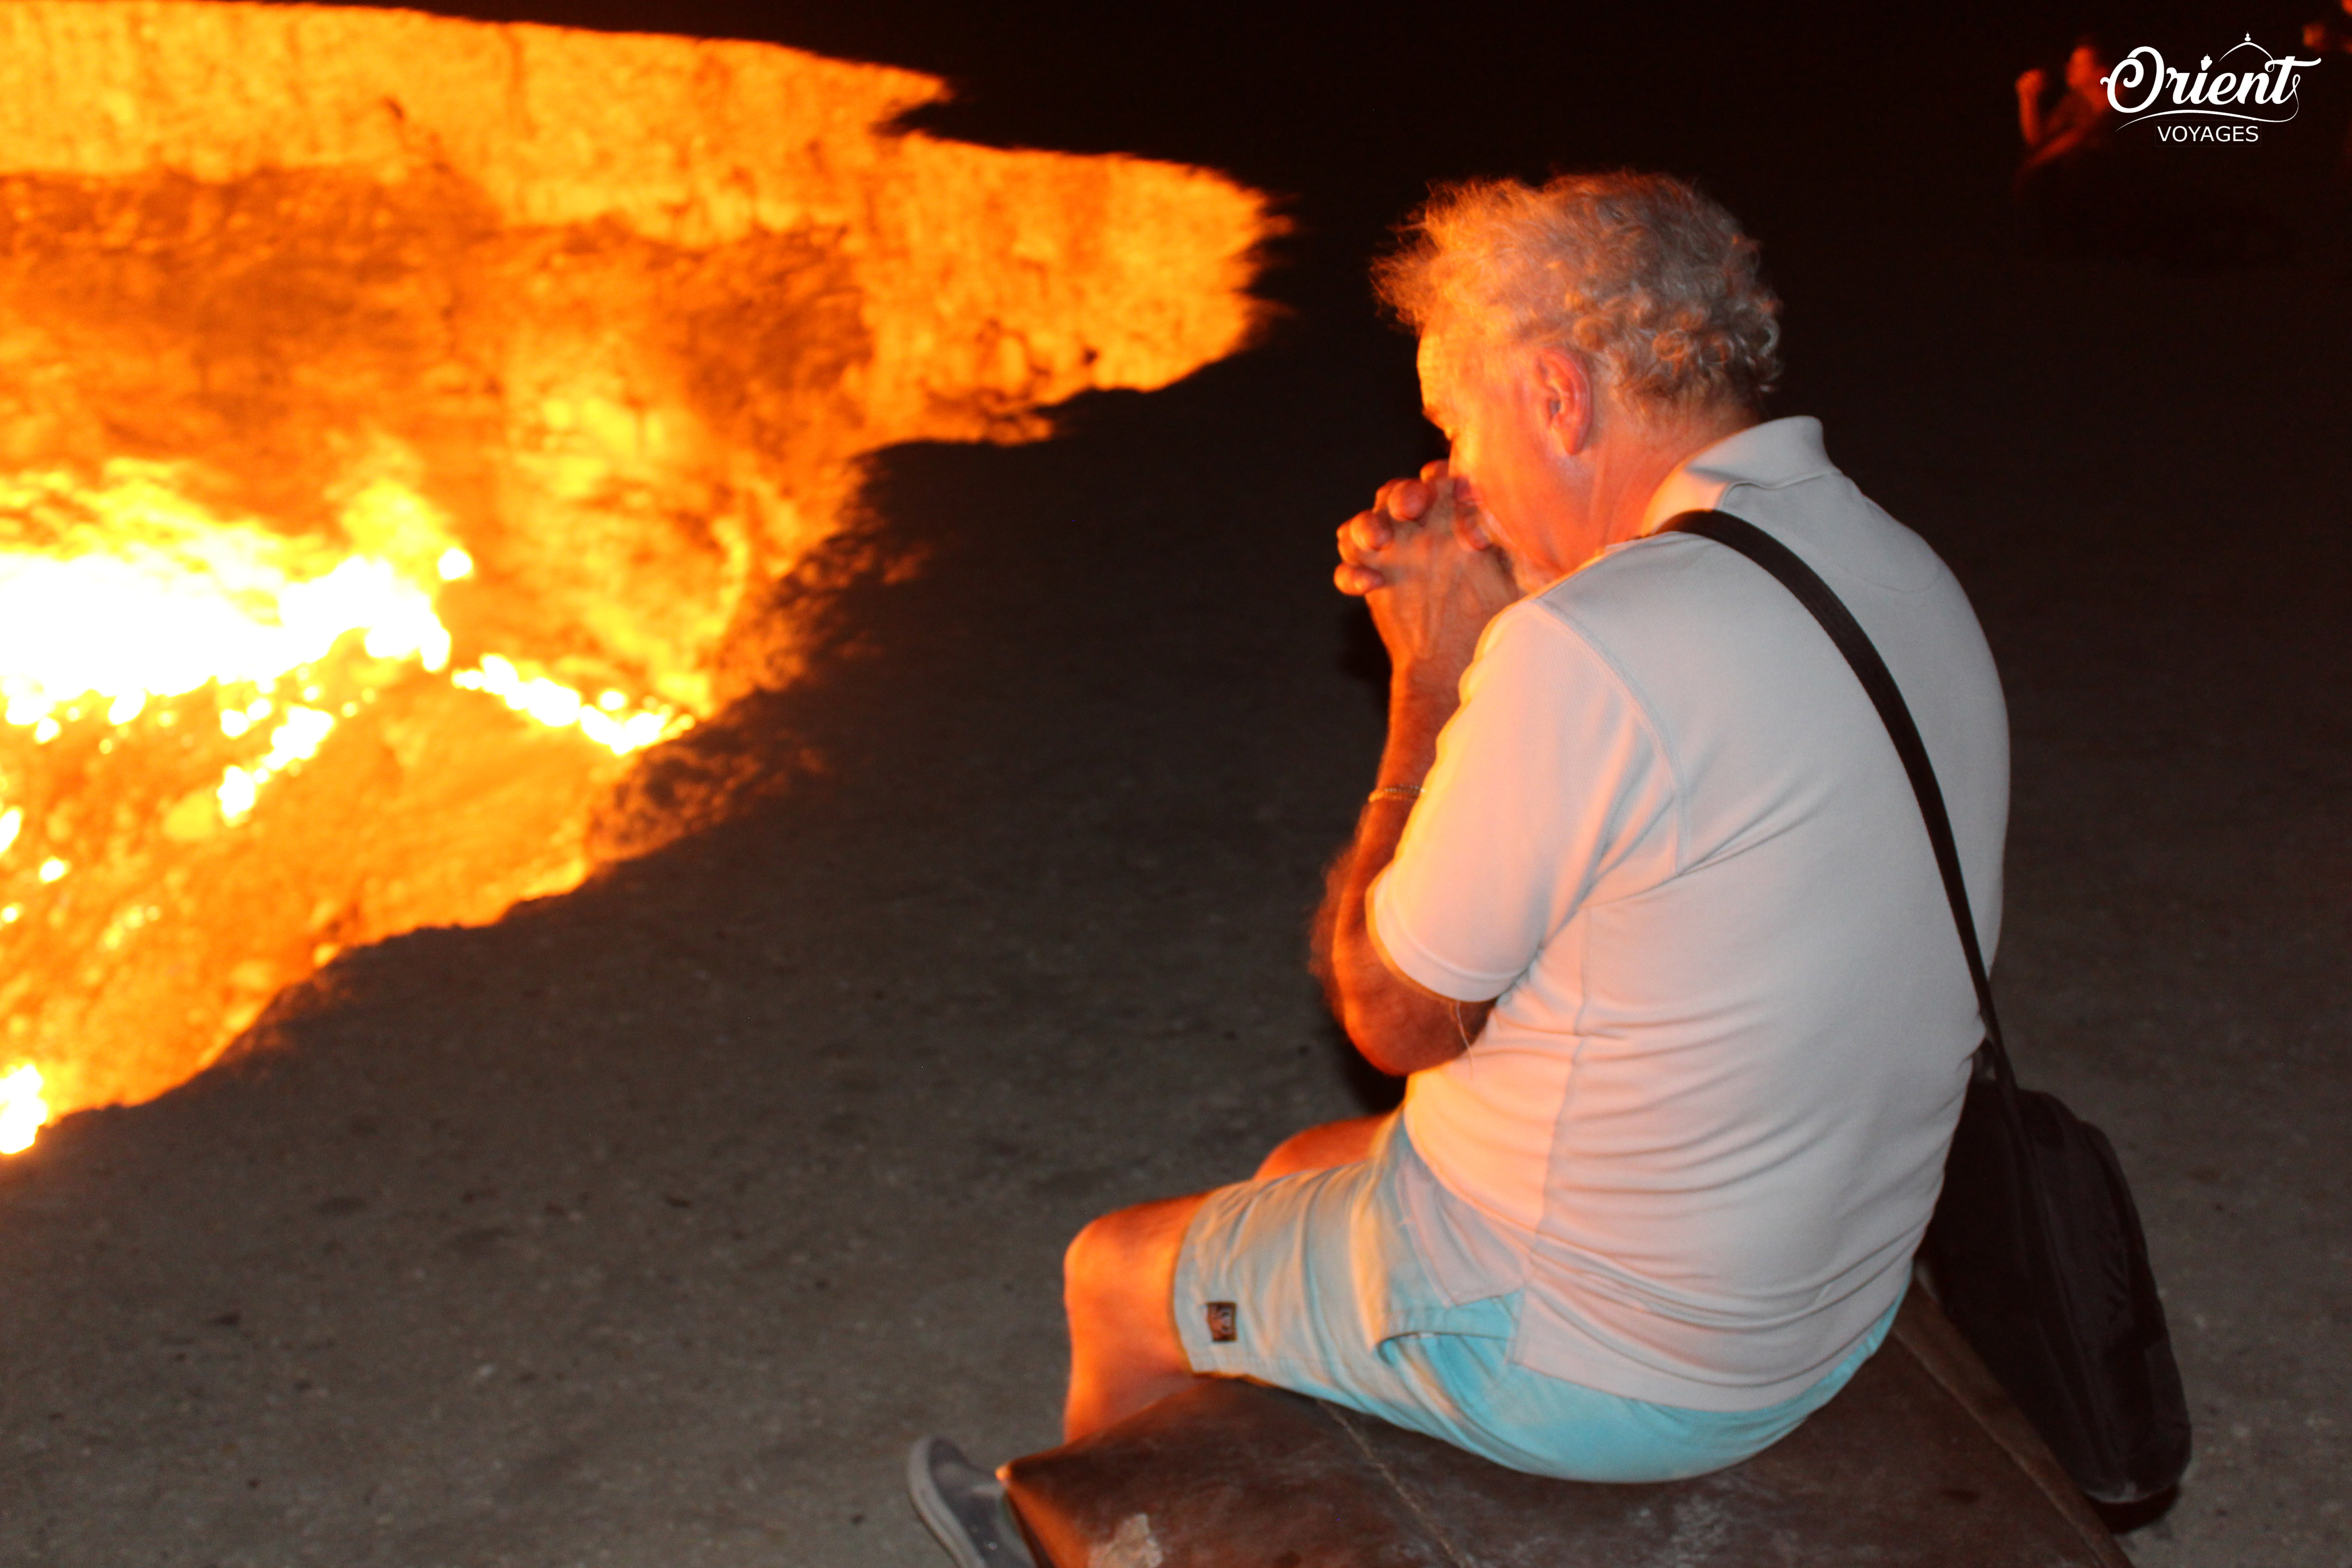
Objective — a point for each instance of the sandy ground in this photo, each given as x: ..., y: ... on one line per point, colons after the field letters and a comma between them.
x: 650, y: 1226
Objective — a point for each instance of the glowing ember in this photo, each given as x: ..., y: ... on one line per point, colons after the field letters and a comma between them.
x: 22, y: 1108
x: 404, y: 425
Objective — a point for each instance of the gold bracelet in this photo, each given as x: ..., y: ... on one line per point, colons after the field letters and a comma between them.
x: 1393, y: 792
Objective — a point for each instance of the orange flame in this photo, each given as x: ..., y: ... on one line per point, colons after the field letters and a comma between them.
x: 133, y: 594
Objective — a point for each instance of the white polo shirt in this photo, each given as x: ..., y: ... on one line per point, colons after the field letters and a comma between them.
x: 1704, y: 1125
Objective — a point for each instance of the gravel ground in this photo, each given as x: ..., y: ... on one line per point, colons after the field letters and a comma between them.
x: 649, y: 1225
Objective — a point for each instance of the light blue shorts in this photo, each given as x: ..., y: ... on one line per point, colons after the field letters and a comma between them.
x: 1274, y: 1266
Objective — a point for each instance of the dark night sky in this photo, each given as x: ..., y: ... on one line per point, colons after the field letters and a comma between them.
x: 1821, y: 126
x: 1787, y: 112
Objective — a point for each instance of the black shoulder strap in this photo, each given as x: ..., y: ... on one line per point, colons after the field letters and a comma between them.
x: 1855, y: 643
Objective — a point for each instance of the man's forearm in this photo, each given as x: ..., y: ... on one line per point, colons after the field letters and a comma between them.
x: 1433, y: 580
x: 1400, y: 1026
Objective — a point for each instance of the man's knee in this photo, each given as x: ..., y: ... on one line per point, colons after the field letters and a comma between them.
x: 1126, y: 1257
x: 1093, y: 1253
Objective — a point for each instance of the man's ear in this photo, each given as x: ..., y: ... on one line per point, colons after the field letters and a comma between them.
x: 1567, y: 391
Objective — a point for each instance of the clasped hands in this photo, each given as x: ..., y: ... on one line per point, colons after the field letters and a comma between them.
x: 1421, y: 557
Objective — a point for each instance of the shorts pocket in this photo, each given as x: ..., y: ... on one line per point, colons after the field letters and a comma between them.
x: 1395, y: 1291
x: 1495, y: 1317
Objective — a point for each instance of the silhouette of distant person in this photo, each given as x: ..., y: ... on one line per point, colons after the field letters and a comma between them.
x: 2330, y: 35
x: 2071, y: 185
x: 2084, y: 193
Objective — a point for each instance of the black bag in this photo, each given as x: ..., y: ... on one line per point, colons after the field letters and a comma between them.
x: 2035, y: 1248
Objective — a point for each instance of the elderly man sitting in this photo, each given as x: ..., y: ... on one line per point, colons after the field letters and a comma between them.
x: 1640, y: 901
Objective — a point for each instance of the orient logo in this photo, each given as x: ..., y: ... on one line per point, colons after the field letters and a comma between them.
x: 2211, y: 105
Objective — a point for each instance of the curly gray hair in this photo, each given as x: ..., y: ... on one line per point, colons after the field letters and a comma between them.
x: 1648, y: 281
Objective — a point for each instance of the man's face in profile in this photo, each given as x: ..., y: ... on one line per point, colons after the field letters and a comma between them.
x: 1508, y: 472
x: 2085, y: 70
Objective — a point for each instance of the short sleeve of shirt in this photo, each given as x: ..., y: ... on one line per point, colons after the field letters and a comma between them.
x: 1546, y: 775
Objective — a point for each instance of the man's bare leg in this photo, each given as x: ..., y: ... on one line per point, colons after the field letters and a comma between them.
x: 1119, y: 1284
x: 1320, y: 1148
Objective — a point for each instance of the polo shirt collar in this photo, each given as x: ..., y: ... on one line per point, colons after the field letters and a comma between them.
x: 1777, y: 452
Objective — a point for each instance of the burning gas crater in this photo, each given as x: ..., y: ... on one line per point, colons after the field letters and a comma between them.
x: 405, y: 425
x: 163, y: 670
